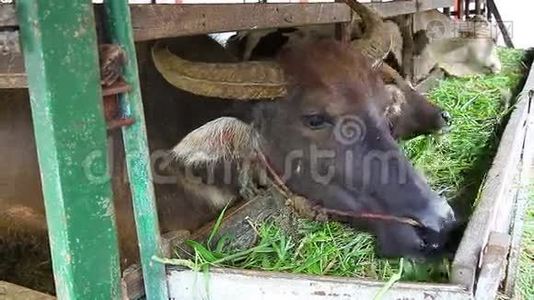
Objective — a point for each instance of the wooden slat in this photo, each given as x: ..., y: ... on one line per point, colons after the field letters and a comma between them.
x: 160, y: 21
x: 154, y: 21
x: 494, y: 200
x: 244, y: 285
x: 12, y: 291
x: 523, y: 198
x: 7, y: 15
x: 493, y: 266
x: 12, y: 74
x: 423, y: 5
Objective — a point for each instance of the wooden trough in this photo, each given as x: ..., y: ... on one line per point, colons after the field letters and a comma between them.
x: 487, y: 254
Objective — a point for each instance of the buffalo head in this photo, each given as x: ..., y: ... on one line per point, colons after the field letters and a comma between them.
x: 321, y: 125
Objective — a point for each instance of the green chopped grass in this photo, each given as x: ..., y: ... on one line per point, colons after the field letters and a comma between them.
x: 525, y: 277
x: 454, y: 165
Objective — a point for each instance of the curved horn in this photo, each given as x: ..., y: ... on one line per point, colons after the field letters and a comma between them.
x: 243, y: 81
x: 376, y: 40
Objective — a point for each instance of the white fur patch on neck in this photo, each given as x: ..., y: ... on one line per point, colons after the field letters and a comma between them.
x: 222, y: 139
x: 397, y: 101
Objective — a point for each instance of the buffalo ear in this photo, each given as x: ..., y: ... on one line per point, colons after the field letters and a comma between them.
x: 223, y: 139
x: 395, y: 103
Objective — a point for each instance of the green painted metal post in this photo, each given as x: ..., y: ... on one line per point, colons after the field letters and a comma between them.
x: 119, y: 28
x: 59, y: 42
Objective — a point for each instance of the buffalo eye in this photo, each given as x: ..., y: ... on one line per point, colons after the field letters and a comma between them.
x: 315, y: 121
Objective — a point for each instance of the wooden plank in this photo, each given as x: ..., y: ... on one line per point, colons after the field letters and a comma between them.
x: 423, y: 5
x: 10, y: 291
x: 246, y: 285
x: 132, y: 283
x: 7, y: 15
x: 493, y: 194
x: 153, y: 21
x: 493, y: 266
x: 527, y: 171
x: 160, y: 21
x: 12, y: 73
x: 406, y: 28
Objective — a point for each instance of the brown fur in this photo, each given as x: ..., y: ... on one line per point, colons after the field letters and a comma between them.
x: 329, y: 65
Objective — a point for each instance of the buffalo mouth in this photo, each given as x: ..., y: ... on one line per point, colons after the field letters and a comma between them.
x: 416, y: 240
x: 397, y: 236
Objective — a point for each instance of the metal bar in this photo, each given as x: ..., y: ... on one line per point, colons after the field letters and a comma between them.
x: 119, y: 29
x: 59, y: 44
x: 506, y: 36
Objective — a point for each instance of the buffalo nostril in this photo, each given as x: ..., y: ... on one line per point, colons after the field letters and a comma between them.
x: 422, y: 245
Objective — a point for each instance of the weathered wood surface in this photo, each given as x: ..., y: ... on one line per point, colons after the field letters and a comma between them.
x: 494, y: 201
x: 245, y: 285
x: 159, y: 21
x: 12, y: 73
x: 493, y: 266
x: 152, y: 21
x: 422, y: 5
x: 527, y: 172
x: 10, y: 291
x: 7, y: 15
x: 132, y: 284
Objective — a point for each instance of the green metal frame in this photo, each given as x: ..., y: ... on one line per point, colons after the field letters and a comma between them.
x: 58, y: 38
x: 137, y: 155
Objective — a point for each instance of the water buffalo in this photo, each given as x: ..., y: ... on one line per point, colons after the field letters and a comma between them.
x: 460, y: 48
x: 319, y: 117
x: 319, y: 95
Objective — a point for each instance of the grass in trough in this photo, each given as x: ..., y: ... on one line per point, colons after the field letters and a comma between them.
x: 454, y: 164
x: 525, y: 277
